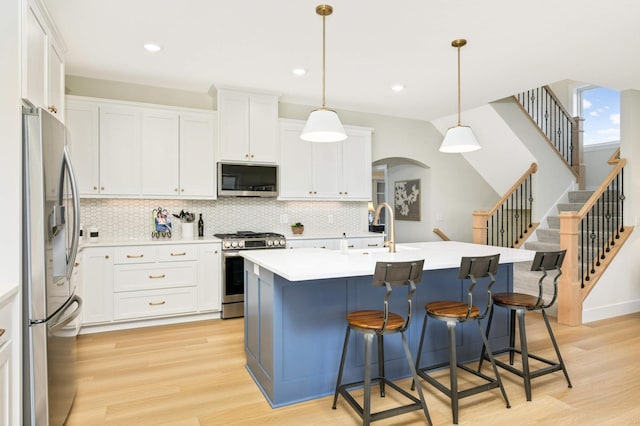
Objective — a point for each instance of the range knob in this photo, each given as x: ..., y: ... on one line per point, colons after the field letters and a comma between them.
x: 269, y: 243
x: 227, y: 244
x: 234, y: 244
x: 282, y: 243
x: 240, y: 244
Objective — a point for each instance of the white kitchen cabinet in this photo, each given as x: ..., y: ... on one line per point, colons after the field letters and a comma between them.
x: 197, y: 155
x: 248, y: 127
x: 10, y: 362
x: 324, y: 171
x: 160, y: 153
x: 120, y: 150
x: 209, y: 278
x: 42, y: 60
x: 82, y: 120
x: 96, y: 285
x: 125, y: 149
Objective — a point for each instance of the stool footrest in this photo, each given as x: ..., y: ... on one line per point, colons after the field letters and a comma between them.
x: 491, y: 383
x: 416, y: 405
x: 552, y: 365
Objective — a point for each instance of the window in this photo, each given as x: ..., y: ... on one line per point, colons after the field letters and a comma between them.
x: 600, y: 108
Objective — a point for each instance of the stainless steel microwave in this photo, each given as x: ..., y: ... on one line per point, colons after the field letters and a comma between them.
x: 244, y: 180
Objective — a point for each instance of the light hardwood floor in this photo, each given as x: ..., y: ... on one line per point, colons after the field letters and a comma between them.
x: 193, y: 374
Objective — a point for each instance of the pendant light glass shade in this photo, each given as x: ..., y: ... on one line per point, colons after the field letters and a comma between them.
x: 459, y: 138
x: 323, y: 125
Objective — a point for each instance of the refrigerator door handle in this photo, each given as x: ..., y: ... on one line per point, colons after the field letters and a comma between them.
x: 59, y: 325
x: 76, y: 206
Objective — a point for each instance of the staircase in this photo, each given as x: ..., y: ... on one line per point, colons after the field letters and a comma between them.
x: 525, y: 280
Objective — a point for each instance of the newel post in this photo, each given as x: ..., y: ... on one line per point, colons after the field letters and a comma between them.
x: 480, y: 227
x: 569, y: 288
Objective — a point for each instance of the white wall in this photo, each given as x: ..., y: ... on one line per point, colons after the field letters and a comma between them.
x: 11, y: 140
x: 596, y: 164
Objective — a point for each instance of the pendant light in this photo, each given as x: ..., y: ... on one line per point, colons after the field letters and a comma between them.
x: 459, y: 138
x: 323, y: 125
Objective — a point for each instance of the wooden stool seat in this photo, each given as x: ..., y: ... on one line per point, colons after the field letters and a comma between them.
x: 451, y: 309
x: 374, y: 320
x: 375, y: 324
x: 517, y: 300
x: 518, y: 304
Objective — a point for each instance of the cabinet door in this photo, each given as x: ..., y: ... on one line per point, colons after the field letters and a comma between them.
x: 295, y: 163
x: 263, y: 128
x: 233, y: 119
x: 197, y: 157
x: 356, y: 166
x: 6, y: 387
x: 96, y: 285
x: 34, y: 84
x: 82, y: 136
x: 160, y: 153
x: 55, y: 100
x: 327, y: 169
x: 209, y: 278
x: 120, y: 151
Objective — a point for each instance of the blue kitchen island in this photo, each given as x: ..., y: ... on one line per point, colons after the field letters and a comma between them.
x: 296, y: 302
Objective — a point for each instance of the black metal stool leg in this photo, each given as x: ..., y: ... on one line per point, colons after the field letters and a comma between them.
x: 424, y: 330
x: 341, y: 369
x: 555, y: 346
x: 493, y: 365
x: 524, y: 351
x: 512, y: 335
x: 453, y: 370
x: 368, y: 346
x: 484, y: 348
x: 414, y: 374
x: 381, y: 363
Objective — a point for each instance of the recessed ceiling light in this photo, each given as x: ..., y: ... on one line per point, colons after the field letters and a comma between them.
x: 397, y: 87
x: 299, y: 71
x: 152, y: 47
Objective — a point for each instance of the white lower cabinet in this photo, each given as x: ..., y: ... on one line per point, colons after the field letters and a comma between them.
x: 6, y: 385
x: 96, y: 285
x: 9, y: 363
x: 152, y: 281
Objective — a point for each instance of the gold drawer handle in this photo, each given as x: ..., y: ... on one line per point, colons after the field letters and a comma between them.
x: 135, y: 256
x: 372, y: 245
x: 157, y: 276
x: 351, y: 246
x: 179, y: 254
x: 157, y: 303
x: 2, y: 330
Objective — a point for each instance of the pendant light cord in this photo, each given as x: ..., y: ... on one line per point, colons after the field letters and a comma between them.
x: 459, y: 85
x: 323, y: 58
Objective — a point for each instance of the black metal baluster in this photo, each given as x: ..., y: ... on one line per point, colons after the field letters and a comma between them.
x: 582, y: 277
x: 597, y: 255
x: 621, y: 174
x: 608, y: 217
x: 592, y: 235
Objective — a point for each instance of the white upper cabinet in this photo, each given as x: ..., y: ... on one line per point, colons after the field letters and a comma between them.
x: 248, y: 127
x: 160, y: 153
x: 324, y: 171
x: 124, y: 149
x: 42, y: 60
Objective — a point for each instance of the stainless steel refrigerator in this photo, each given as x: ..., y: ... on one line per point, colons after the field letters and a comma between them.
x: 50, y: 228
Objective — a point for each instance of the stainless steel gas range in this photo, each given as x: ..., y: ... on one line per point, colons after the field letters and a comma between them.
x: 233, y: 265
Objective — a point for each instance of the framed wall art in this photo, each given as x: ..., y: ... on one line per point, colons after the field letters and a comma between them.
x: 407, y: 199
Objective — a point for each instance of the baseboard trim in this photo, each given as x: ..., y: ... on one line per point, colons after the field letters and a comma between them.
x: 610, y: 311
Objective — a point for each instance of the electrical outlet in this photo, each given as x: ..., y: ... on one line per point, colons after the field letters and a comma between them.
x: 284, y: 218
x: 330, y: 218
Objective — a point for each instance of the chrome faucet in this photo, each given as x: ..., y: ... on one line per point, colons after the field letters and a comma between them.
x: 391, y: 242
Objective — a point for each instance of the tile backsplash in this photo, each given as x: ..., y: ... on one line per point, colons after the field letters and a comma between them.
x: 132, y: 219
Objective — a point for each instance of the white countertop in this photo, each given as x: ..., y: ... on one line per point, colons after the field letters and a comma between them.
x: 315, y: 264
x: 146, y: 242
x: 332, y: 235
x: 7, y: 291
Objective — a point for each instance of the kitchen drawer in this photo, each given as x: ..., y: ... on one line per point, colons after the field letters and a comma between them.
x: 134, y: 254
x: 148, y: 277
x: 5, y: 323
x: 177, y: 253
x: 151, y: 303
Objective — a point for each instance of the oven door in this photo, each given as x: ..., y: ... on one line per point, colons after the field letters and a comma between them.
x: 232, y: 277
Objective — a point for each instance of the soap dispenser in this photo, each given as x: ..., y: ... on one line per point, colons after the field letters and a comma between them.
x: 344, y: 244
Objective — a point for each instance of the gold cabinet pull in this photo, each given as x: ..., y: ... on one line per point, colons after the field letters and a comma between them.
x: 135, y: 256
x: 2, y: 330
x: 53, y: 109
x: 179, y: 254
x: 372, y: 245
x: 157, y: 303
x: 350, y: 246
x: 106, y: 256
x: 156, y: 276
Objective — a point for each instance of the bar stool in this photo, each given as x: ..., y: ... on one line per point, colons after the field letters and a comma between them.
x: 454, y: 313
x: 518, y: 304
x: 380, y: 323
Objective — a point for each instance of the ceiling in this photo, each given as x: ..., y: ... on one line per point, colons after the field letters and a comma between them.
x: 371, y: 45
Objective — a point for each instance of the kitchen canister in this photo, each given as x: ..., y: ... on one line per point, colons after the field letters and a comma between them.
x: 187, y: 230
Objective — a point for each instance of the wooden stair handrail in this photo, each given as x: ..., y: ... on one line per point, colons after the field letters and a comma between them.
x: 615, y: 157
x: 600, y: 190
x: 532, y: 169
x: 441, y: 234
